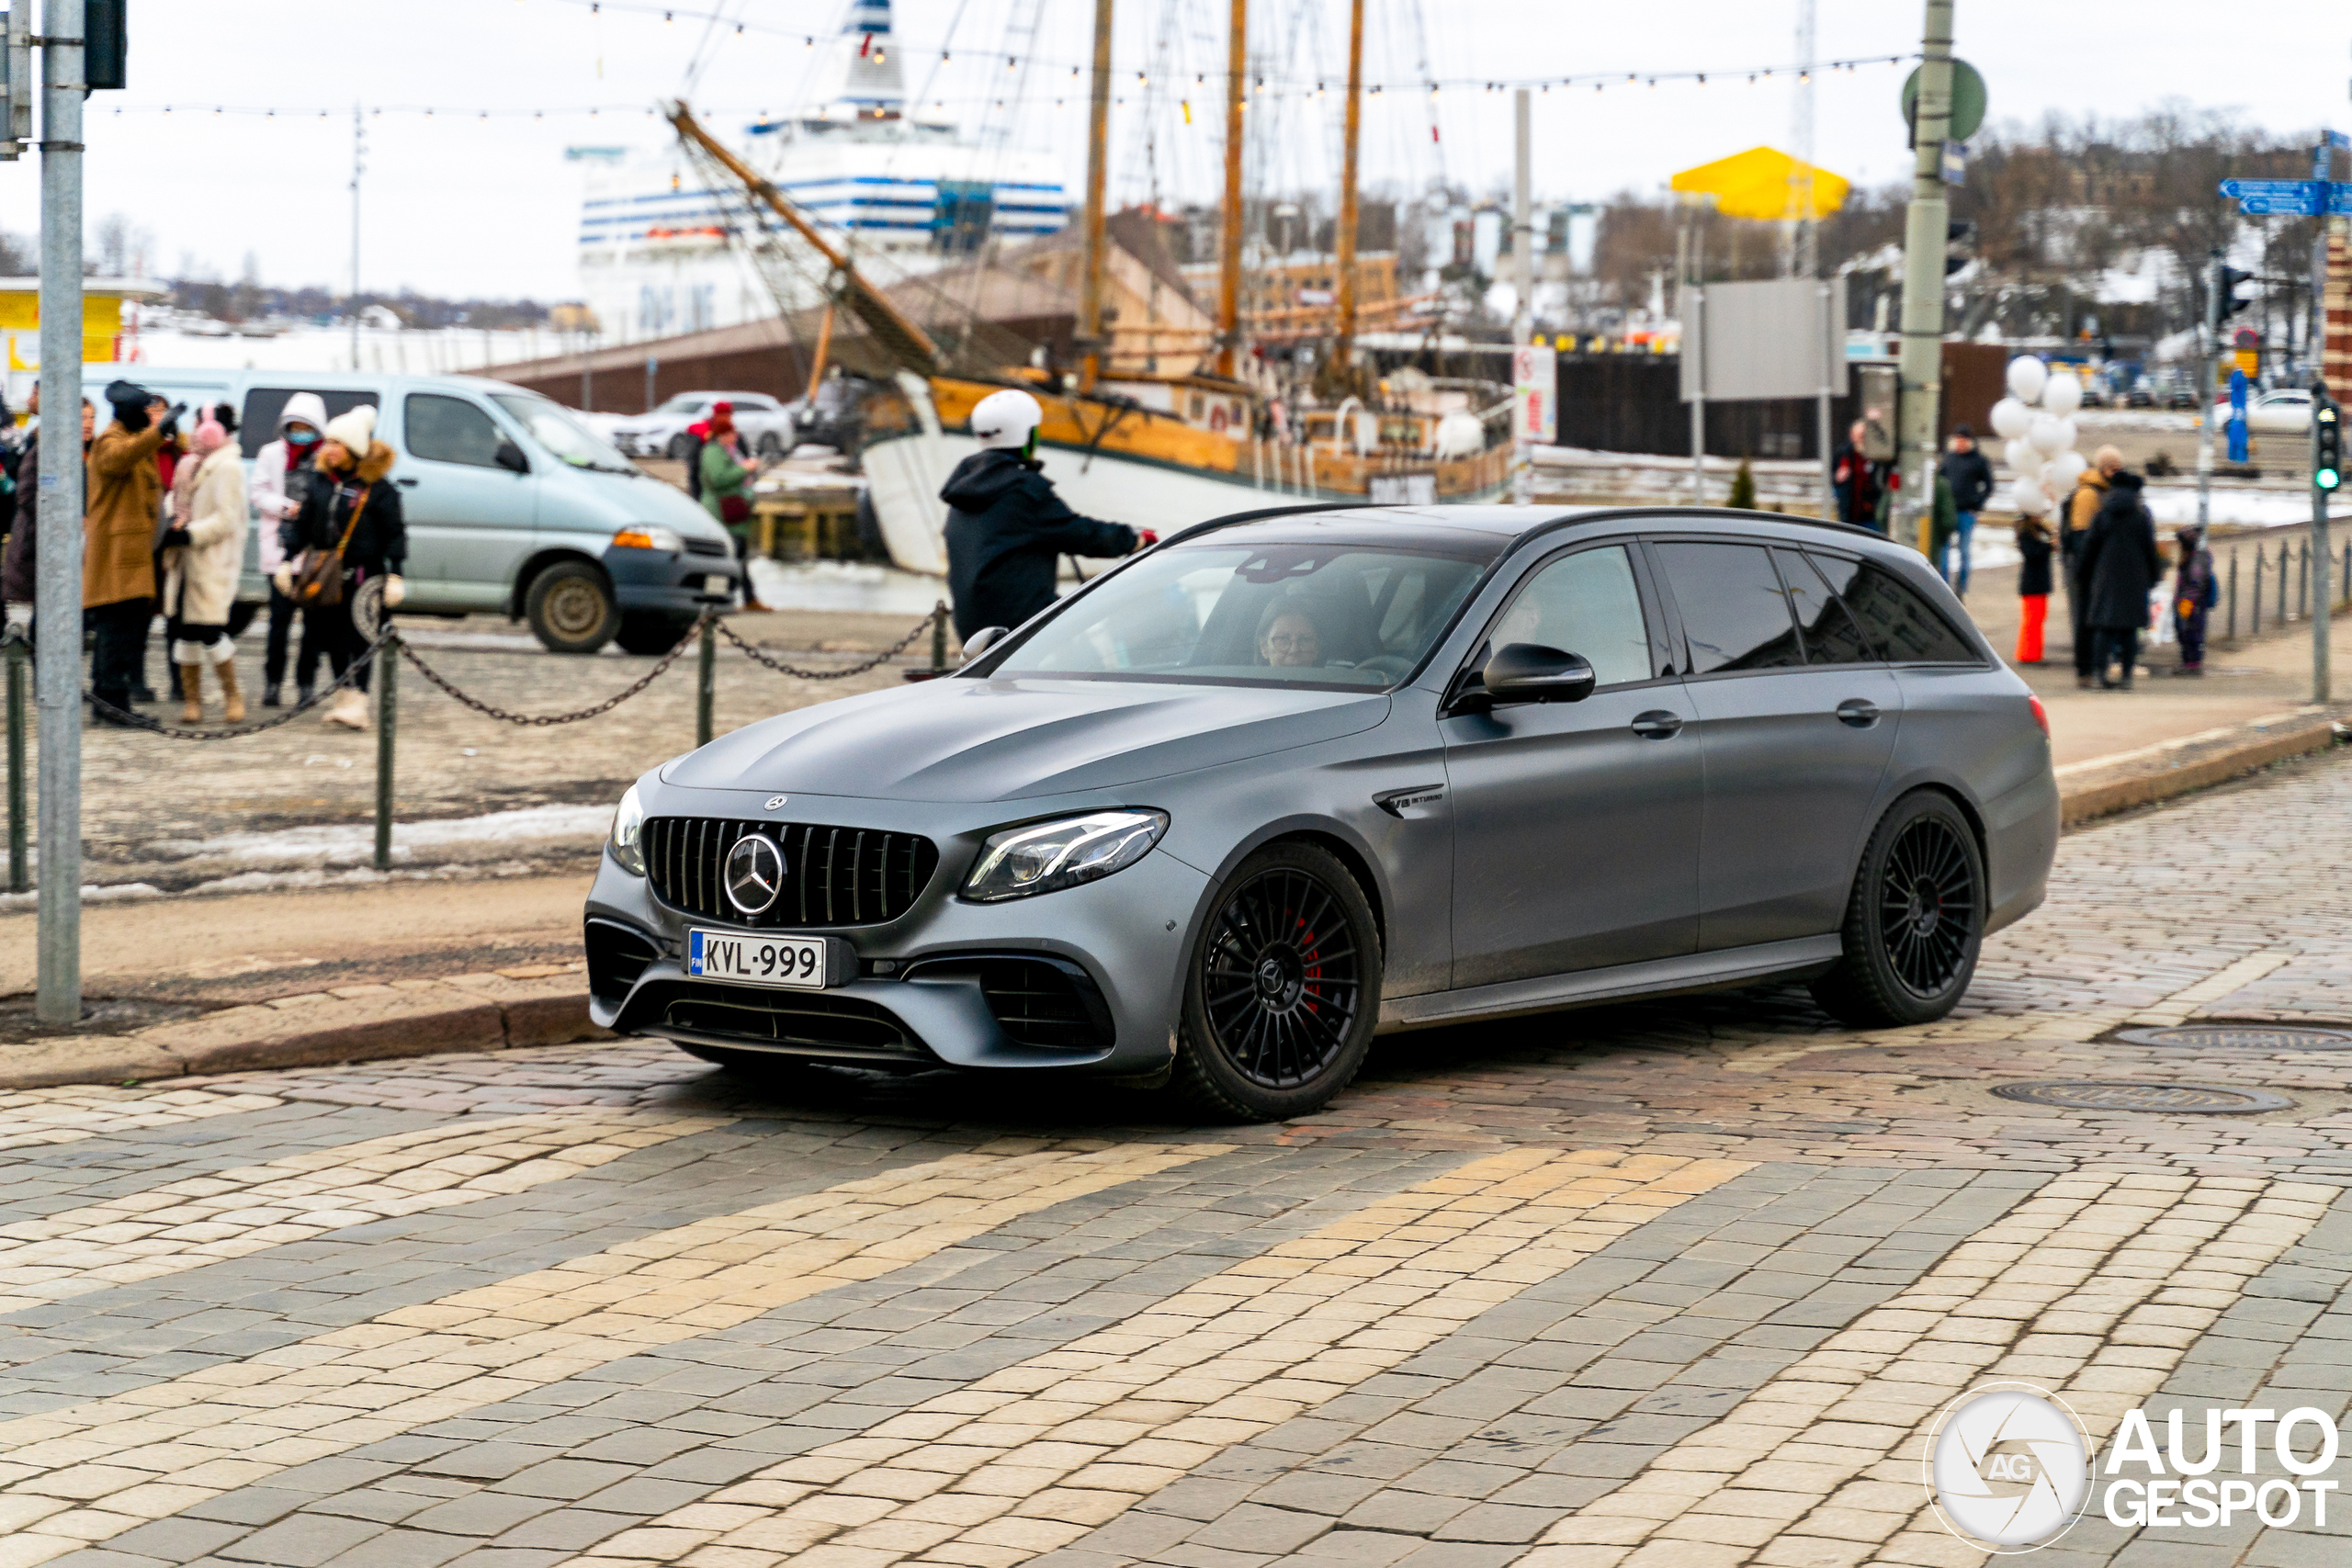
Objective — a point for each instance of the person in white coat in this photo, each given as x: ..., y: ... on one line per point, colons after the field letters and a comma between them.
x: 201, y: 562
x: 281, y: 470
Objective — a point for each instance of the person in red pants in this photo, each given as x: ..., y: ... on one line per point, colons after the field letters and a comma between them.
x: 2033, y: 587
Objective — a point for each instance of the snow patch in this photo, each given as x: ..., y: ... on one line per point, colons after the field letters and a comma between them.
x: 348, y: 844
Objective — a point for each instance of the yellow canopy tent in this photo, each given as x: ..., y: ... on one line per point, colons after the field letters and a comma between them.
x: 1765, y: 183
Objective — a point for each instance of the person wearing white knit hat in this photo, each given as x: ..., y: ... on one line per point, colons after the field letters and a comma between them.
x: 349, y: 511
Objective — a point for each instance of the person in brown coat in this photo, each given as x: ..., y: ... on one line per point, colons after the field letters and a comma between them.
x: 121, y: 508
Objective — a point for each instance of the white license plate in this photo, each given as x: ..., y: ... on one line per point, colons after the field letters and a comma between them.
x: 715, y: 583
x: 798, y: 962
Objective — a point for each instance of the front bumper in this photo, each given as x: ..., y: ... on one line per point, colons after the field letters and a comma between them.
x: 679, y: 582
x: 919, y: 996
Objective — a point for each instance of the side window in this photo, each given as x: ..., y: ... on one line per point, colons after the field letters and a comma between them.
x: 257, y: 426
x: 449, y: 430
x: 1733, y: 609
x: 1585, y: 603
x: 1830, y: 634
x: 1898, y: 618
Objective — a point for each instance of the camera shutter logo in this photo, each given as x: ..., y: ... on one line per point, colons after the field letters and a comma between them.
x: 2008, y: 1467
x: 754, y: 873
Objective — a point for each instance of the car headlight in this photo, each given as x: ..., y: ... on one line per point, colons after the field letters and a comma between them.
x: 1045, y: 857
x: 627, y: 842
x: 650, y: 536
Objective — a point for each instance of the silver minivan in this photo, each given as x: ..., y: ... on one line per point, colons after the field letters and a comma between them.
x: 513, y: 504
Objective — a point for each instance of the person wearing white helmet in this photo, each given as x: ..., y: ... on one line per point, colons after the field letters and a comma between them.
x: 1005, y: 525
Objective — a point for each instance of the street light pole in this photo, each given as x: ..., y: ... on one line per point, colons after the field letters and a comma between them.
x: 2323, y: 166
x: 57, y: 587
x: 1920, y: 366
x: 2216, y: 279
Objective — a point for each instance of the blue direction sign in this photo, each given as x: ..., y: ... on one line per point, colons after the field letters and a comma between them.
x: 2289, y: 199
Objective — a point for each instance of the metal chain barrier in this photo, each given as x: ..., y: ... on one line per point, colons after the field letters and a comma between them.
x: 141, y: 721
x: 764, y: 656
x: 541, y: 720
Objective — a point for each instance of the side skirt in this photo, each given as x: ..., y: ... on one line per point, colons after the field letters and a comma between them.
x: 1799, y: 958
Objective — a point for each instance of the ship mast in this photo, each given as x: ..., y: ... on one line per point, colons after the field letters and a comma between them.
x: 1229, y: 272
x: 1091, y: 341
x: 1343, y: 348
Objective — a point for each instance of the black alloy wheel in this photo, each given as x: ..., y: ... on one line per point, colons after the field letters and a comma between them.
x: 1916, y: 919
x: 1283, y: 988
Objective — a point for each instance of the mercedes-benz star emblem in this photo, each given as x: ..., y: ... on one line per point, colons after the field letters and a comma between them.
x: 754, y: 873
x: 777, y: 800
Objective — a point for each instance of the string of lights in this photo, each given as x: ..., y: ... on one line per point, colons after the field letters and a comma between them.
x: 1260, y: 87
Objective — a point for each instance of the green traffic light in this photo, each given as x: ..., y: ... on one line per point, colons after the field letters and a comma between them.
x: 2327, y: 478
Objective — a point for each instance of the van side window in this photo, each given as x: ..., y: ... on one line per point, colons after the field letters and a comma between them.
x: 257, y: 426
x: 449, y: 430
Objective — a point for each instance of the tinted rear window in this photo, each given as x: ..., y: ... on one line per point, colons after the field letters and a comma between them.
x: 262, y: 405
x: 1734, y: 612
x: 1898, y: 619
x: 1830, y: 634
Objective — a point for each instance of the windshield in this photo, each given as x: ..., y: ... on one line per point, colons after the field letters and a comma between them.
x: 553, y: 426
x: 1334, y: 616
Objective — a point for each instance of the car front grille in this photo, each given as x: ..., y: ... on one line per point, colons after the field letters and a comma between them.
x: 833, y: 877
x: 708, y: 548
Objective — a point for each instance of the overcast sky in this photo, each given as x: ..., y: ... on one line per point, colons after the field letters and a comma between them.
x: 456, y: 205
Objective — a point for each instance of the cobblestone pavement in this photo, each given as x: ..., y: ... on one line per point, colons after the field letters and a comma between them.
x: 1680, y: 1285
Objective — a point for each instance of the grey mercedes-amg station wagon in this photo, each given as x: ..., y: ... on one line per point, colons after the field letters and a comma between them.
x: 1292, y: 779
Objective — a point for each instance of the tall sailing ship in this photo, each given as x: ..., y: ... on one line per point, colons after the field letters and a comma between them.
x: 1159, y: 424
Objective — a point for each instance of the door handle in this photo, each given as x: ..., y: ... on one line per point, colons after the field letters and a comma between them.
x: 1657, y: 724
x: 1859, y: 711
x: 405, y: 484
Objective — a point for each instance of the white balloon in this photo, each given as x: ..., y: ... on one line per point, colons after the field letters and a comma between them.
x: 2067, y: 467
x: 2050, y: 435
x: 2027, y: 497
x: 2020, y: 456
x: 2011, y: 418
x: 2025, y: 377
x: 2063, y: 395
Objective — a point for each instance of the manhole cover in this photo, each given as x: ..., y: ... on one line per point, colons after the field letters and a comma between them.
x: 2242, y: 1037
x: 2180, y: 1099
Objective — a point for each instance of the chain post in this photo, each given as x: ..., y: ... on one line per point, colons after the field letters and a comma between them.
x: 939, y: 638
x: 706, y: 680
x: 17, y: 877
x: 386, y: 727
x: 2232, y: 634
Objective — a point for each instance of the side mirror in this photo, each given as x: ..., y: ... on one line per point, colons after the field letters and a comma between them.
x: 1530, y: 673
x: 510, y: 458
x: 981, y: 641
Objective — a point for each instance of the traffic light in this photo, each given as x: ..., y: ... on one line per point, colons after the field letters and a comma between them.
x: 1956, y: 234
x: 2226, y: 302
x: 2327, y: 443
x: 21, y: 82
x: 106, y: 49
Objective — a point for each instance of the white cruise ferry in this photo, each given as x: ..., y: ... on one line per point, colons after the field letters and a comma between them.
x: 655, y: 259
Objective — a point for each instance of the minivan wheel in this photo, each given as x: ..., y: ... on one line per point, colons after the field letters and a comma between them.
x: 649, y: 632
x: 1282, y: 989
x: 1915, y: 921
x: 571, y: 608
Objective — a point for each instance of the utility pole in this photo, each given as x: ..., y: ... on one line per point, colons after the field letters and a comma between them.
x: 2216, y: 279
x: 57, y: 591
x: 2323, y: 166
x: 1805, y: 249
x: 1522, y: 267
x: 1091, y: 344
x: 1920, y: 366
x: 359, y: 147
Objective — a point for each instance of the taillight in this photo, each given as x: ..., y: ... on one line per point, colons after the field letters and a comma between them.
x: 2040, y: 715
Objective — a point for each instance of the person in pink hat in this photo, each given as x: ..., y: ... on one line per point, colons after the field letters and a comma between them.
x: 201, y: 558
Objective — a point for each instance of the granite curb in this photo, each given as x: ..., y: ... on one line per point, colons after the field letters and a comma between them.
x: 547, y: 1004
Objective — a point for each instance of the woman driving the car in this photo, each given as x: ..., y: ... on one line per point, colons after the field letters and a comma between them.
x: 1288, y: 639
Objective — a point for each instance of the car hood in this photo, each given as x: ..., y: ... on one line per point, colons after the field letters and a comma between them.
x: 1002, y: 739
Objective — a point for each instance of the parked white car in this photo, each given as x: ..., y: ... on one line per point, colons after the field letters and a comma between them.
x: 662, y: 431
x: 2287, y: 411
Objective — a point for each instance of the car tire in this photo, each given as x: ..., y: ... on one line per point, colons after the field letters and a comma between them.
x: 650, y: 633
x: 1281, y: 989
x: 571, y: 608
x: 769, y: 445
x: 1915, y: 921
x: 679, y: 445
